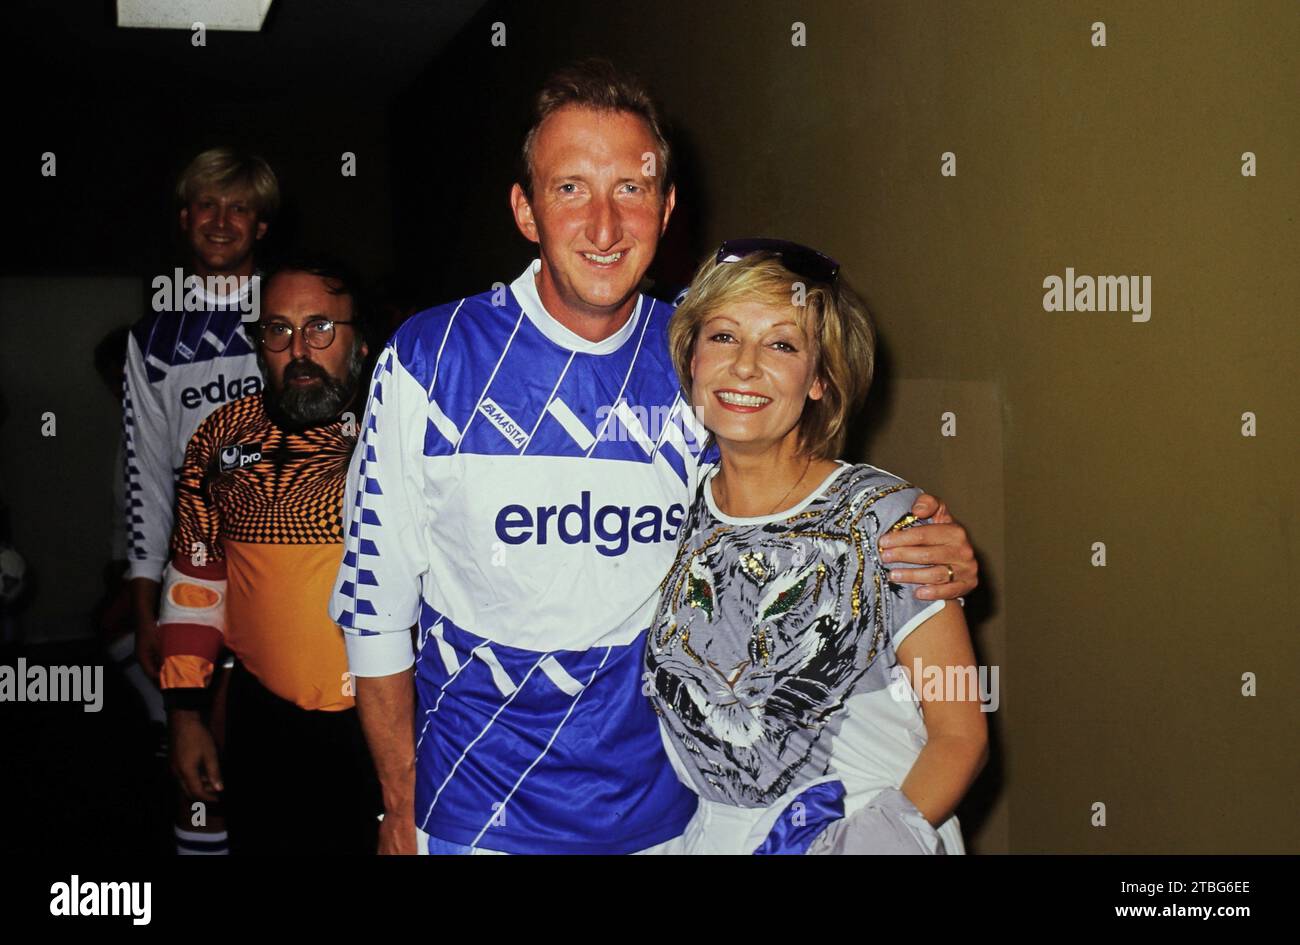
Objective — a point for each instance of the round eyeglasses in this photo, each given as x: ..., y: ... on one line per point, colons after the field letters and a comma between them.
x: 318, y: 333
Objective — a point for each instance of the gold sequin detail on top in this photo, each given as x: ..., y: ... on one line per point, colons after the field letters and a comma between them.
x: 752, y: 562
x: 907, y: 521
x: 854, y: 534
x: 700, y: 595
x: 877, y: 621
x: 821, y: 579
x: 763, y: 645
x: 857, y: 577
x: 855, y: 539
x: 862, y: 561
x: 686, y: 568
x: 686, y: 647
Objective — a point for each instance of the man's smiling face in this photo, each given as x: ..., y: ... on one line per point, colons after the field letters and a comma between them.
x: 221, y: 227
x: 595, y: 212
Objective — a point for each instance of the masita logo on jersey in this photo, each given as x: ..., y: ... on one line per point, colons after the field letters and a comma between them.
x: 503, y: 422
x: 614, y: 526
x: 219, y: 390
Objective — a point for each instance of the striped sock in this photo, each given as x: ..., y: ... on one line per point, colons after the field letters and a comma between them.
x: 197, y: 843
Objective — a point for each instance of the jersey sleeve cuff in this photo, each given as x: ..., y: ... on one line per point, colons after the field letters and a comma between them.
x: 379, y: 654
x: 153, y: 570
x: 903, y: 632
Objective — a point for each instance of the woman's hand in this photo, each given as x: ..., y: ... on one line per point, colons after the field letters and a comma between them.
x: 943, y: 545
x: 890, y: 824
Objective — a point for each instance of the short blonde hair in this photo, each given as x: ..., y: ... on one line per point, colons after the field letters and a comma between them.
x: 599, y: 85
x: 227, y: 169
x: 843, y: 338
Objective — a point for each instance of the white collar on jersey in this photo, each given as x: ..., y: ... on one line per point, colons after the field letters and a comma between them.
x: 218, y: 301
x: 525, y: 291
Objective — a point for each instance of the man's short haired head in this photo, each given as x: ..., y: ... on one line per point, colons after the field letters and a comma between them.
x: 599, y: 85
x: 227, y: 169
x: 340, y: 279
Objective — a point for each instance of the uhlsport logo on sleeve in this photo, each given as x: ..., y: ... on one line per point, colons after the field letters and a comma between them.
x: 240, y: 455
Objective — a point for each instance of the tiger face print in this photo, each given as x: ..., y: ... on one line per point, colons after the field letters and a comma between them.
x: 763, y: 631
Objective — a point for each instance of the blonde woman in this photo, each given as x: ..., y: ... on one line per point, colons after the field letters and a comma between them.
x: 778, y: 660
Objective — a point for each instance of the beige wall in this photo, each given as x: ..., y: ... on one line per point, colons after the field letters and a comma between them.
x: 1121, y: 684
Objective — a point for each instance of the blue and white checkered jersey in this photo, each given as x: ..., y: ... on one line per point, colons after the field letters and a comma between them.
x: 517, y: 493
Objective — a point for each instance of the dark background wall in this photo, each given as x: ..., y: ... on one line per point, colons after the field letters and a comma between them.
x: 123, y: 111
x: 1120, y: 685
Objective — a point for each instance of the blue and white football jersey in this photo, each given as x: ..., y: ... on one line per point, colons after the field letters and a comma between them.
x: 180, y: 366
x: 517, y: 493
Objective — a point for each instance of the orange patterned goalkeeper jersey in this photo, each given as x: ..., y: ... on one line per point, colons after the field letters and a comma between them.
x: 261, y: 507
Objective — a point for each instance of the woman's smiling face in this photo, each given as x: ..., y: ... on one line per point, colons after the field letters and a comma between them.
x: 753, y: 370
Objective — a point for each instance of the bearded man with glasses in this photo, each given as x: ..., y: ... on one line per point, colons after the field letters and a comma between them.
x: 258, y: 539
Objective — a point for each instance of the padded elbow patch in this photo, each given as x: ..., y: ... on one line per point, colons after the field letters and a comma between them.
x: 192, y: 618
x: 197, y: 598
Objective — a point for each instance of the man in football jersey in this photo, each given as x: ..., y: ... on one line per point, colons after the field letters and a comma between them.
x: 186, y: 357
x: 257, y: 543
x: 524, y: 468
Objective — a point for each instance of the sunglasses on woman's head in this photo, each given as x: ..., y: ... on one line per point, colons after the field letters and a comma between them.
x: 801, y: 260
